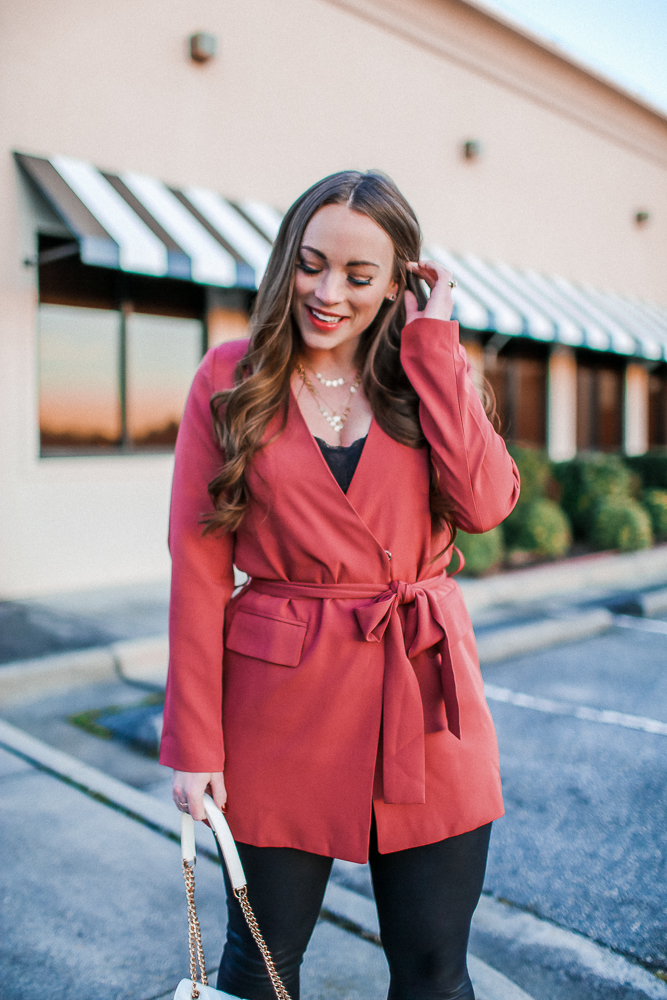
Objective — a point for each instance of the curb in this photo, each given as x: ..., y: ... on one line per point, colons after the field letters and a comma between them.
x: 144, y: 661
x: 136, y: 660
x: 653, y: 603
x: 161, y: 816
x: 624, y: 571
x: 339, y: 902
x: 500, y: 644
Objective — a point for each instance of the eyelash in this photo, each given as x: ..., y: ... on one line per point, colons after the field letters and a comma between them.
x: 357, y: 282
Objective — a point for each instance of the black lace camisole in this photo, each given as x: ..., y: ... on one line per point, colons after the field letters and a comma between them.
x: 342, y: 460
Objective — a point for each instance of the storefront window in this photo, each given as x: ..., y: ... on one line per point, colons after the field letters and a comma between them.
x: 117, y: 354
x: 657, y: 409
x: 518, y: 377
x: 113, y: 380
x: 599, y: 404
x: 79, y: 365
x: 163, y: 353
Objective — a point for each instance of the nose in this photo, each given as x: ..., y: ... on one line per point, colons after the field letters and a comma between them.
x: 331, y: 287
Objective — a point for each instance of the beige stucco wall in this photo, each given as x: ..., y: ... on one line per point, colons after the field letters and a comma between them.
x: 300, y: 88
x: 304, y: 87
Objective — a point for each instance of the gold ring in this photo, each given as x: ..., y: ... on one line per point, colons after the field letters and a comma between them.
x: 453, y: 283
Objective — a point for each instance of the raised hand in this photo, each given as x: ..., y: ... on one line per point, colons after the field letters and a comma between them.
x: 440, y: 303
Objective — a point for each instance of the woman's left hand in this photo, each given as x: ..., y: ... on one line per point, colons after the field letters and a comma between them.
x: 440, y: 303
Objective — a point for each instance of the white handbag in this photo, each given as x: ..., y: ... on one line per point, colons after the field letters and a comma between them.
x: 190, y: 989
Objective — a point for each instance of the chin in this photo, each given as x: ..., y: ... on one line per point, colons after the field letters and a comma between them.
x: 320, y: 340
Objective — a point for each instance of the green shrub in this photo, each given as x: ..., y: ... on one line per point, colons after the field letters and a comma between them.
x: 621, y: 523
x: 481, y: 552
x: 651, y: 468
x: 535, y: 471
x: 655, y: 502
x: 586, y: 481
x: 539, y: 526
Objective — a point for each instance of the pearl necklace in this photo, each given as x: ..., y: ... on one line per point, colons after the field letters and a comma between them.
x: 335, y: 420
x: 329, y: 382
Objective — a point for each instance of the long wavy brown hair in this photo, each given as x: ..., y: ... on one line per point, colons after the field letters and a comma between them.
x: 263, y: 376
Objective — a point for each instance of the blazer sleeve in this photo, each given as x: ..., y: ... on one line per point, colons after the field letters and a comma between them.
x: 202, y: 582
x: 476, y: 471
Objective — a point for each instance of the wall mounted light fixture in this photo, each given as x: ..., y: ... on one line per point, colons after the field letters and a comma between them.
x: 203, y: 46
x: 472, y: 149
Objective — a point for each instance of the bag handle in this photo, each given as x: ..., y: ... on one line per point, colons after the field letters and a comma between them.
x: 223, y: 836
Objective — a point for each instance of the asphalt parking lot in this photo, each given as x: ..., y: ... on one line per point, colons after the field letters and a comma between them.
x: 577, y: 876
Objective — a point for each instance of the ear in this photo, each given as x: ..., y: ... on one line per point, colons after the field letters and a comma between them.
x: 392, y: 292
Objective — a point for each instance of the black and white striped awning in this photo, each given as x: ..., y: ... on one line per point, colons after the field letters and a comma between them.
x: 136, y: 223
x: 550, y: 308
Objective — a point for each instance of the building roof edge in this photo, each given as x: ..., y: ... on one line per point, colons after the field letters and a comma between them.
x: 554, y: 49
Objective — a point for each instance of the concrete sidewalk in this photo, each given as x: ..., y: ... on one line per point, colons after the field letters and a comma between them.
x: 93, y: 905
x: 93, y: 902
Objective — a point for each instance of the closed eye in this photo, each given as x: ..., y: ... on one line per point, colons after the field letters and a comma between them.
x: 313, y: 269
x: 307, y: 268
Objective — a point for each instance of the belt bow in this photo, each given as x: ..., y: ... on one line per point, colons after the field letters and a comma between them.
x: 418, y: 626
x: 409, y: 618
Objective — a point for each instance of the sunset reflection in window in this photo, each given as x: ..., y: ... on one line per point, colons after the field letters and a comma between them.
x: 79, y: 365
x: 163, y: 353
x: 83, y: 369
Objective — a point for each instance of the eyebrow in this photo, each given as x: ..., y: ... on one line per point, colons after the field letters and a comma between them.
x: 350, y: 263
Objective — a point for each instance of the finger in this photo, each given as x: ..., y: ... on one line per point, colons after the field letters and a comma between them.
x: 430, y: 271
x: 179, y: 796
x: 424, y: 273
x: 181, y: 804
x: 219, y: 791
x: 196, y: 805
x: 411, y: 306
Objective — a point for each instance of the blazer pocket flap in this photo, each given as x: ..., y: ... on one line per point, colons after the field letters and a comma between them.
x: 276, y: 640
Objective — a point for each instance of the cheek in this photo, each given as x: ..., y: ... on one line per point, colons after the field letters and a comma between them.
x: 300, y: 288
x: 370, y: 305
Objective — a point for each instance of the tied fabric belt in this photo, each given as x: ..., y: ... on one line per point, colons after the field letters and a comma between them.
x: 420, y: 626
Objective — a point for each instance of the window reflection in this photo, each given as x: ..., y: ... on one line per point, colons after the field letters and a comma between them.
x: 599, y: 405
x: 163, y: 353
x: 519, y: 383
x: 79, y: 405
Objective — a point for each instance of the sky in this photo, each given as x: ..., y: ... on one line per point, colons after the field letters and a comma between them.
x: 625, y: 40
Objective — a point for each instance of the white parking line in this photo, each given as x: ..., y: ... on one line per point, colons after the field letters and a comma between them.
x: 641, y: 624
x: 609, y: 718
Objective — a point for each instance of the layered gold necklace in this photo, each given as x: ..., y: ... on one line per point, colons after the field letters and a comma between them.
x: 332, y: 417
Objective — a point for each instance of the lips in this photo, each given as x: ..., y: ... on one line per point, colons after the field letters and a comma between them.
x: 324, y: 320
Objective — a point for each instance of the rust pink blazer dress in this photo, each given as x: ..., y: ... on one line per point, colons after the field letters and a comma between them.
x: 343, y: 678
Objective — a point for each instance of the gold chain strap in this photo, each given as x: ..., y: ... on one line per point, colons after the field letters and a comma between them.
x: 194, y: 931
x: 251, y: 920
x: 194, y: 937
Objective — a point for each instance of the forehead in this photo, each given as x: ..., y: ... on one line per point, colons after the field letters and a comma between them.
x: 343, y: 235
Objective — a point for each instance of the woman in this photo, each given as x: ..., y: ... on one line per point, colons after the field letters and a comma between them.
x: 331, y: 458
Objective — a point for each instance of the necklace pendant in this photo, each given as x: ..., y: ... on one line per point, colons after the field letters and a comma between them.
x: 335, y: 420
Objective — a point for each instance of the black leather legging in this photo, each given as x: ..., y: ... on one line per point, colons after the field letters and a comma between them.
x: 425, y: 897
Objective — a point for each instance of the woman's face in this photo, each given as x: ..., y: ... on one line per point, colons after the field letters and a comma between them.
x: 344, y: 273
